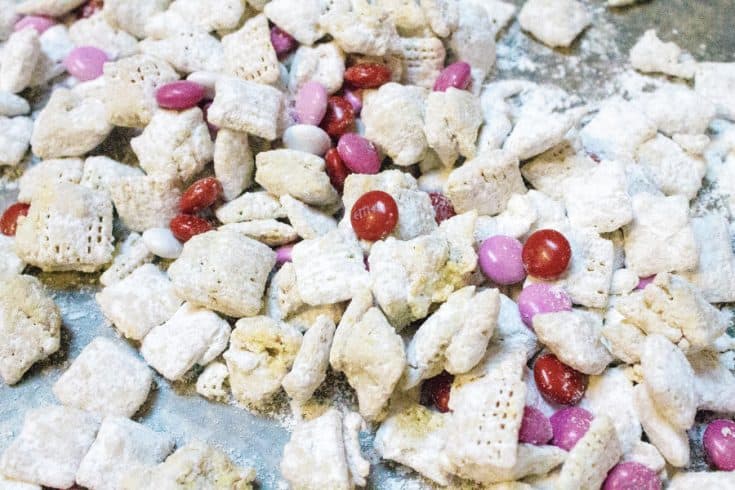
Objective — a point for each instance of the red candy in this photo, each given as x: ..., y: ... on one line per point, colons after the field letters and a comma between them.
x: 336, y: 169
x: 437, y: 390
x: 9, y: 220
x: 374, y: 215
x: 185, y: 226
x: 340, y: 117
x: 89, y: 8
x: 200, y: 195
x: 443, y: 208
x: 546, y: 254
x: 558, y: 382
x: 367, y: 75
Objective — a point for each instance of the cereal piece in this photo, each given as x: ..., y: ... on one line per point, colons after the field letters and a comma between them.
x: 21, y: 53
x: 296, y: 173
x: 510, y: 329
x: 616, y: 130
x: 211, y: 383
x: 673, y: 170
x: 677, y: 109
x: 371, y: 355
x: 50, y: 8
x: 100, y: 172
x: 68, y: 228
x: 10, y: 264
x: 140, y: 301
x: 455, y: 337
x: 451, y: 123
x: 672, y: 443
x: 223, y: 270
x: 226, y: 16
x: 548, y: 171
x: 306, y: 221
x: 410, y: 18
x: 713, y: 81
x: 50, y: 446
x: 575, y: 338
x: 12, y: 105
x: 282, y: 298
x: 130, y: 85
x: 415, y: 437
x: 622, y: 338
x: 536, y: 132
x: 394, y: 120
x: 323, y: 63
x: 713, y: 382
x: 647, y: 455
x: 715, y: 272
x: 121, y: 446
x: 669, y: 379
x: 624, y: 281
x: 261, y: 353
x: 105, y: 378
x: 555, y: 23
x: 329, y: 268
x: 611, y: 394
x: 364, y: 28
x: 30, y: 322
x: 95, y: 31
x: 500, y: 13
x: 132, y: 254
x: 531, y: 460
x: 591, y: 457
x: 250, y: 206
x: 15, y: 138
x: 483, y: 427
x: 473, y: 41
x: 516, y: 221
x: 660, y: 238
x: 258, y: 63
x: 192, y: 336
x: 48, y: 173
x: 233, y: 162
x: 422, y: 59
x: 311, y: 363
x: 196, y: 465
x: 187, y: 50
x: 318, y: 455
x: 651, y: 55
x: 416, y: 215
x: 8, y: 18
x: 145, y: 202
x: 269, y: 231
x: 598, y: 198
x: 485, y: 183
x: 69, y: 126
x: 131, y: 15
x: 703, y: 480
x: 696, y: 144
x: 55, y: 46
x: 246, y: 106
x: 7, y: 484
x: 174, y: 144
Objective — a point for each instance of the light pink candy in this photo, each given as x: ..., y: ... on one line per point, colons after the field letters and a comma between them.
x: 358, y: 154
x: 354, y: 100
x: 457, y: 75
x: 311, y: 103
x: 645, y: 281
x: 40, y: 24
x: 85, y: 63
x: 283, y: 254
x: 282, y: 41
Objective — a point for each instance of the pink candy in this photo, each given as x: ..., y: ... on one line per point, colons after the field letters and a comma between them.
x: 457, y: 75
x: 630, y: 475
x: 283, y: 254
x: 535, y: 427
x: 569, y: 426
x: 85, y: 63
x: 179, y: 95
x: 358, y: 154
x: 40, y: 24
x: 282, y: 41
x: 542, y: 298
x: 645, y: 281
x: 311, y: 103
x: 719, y: 444
x: 354, y: 100
x: 500, y: 260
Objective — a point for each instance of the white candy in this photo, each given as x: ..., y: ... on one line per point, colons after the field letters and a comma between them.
x: 163, y: 243
x: 308, y: 138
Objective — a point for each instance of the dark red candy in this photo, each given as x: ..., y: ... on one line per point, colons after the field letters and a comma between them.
x: 336, y: 169
x: 340, y: 117
x: 374, y: 215
x: 9, y: 220
x: 436, y: 391
x: 558, y: 382
x: 185, y: 226
x: 367, y: 75
x: 443, y: 208
x: 200, y: 195
x: 546, y: 254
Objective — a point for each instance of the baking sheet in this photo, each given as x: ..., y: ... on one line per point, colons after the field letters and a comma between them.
x: 589, y: 69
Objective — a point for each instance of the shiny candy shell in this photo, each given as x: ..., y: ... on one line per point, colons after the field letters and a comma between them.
x: 719, y: 444
x: 162, y: 243
x: 457, y: 75
x: 179, y: 95
x: 500, y: 260
x: 359, y: 154
x: 85, y: 63
x: 630, y: 475
x: 569, y: 426
x: 311, y: 103
x: 542, y: 298
x: 37, y: 22
x: 307, y: 138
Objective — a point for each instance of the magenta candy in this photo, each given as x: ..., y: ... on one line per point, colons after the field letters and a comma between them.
x: 179, y: 95
x: 500, y: 260
x: 40, y: 24
x: 85, y: 63
x: 457, y: 75
x: 719, y: 444
x: 283, y: 254
x: 569, y: 426
x: 359, y: 154
x: 354, y: 100
x: 542, y: 298
x: 282, y: 41
x: 311, y: 103
x: 535, y: 427
x: 630, y: 475
x: 645, y: 281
